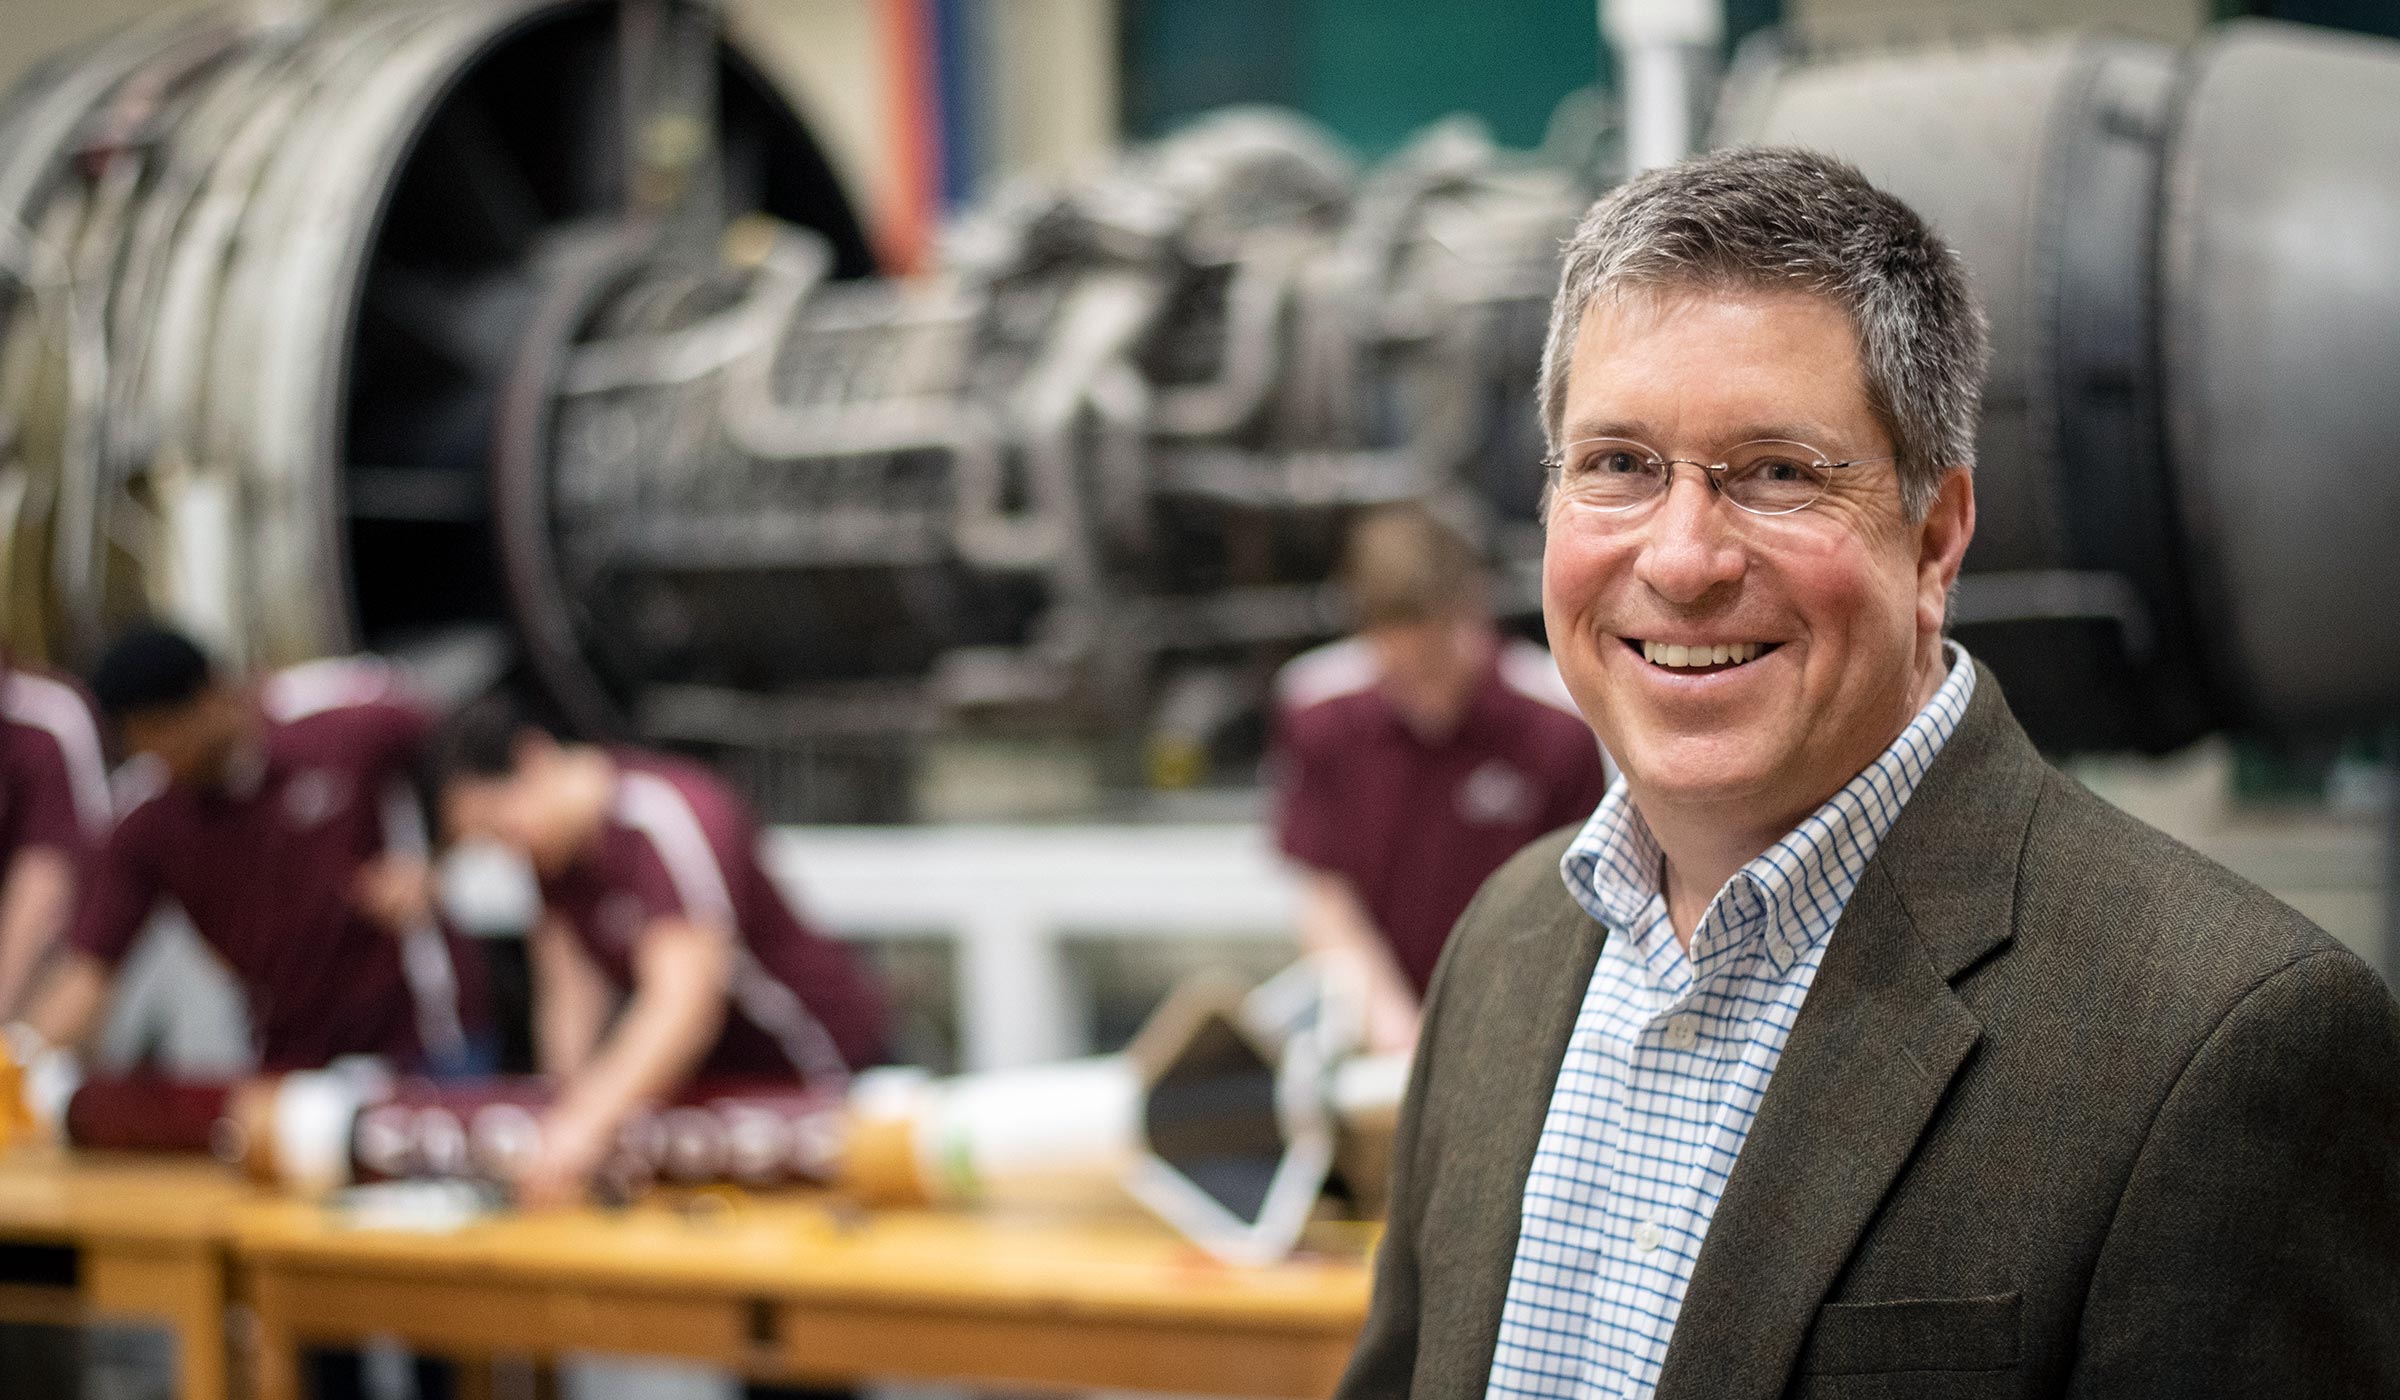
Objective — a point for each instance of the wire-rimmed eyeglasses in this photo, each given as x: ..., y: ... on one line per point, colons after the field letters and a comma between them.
x: 1770, y: 476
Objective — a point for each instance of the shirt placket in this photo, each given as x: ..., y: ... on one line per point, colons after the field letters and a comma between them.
x: 1645, y: 1220
x: 1589, y: 1217
x: 1738, y: 970
x: 1691, y: 1097
x: 1567, y: 1231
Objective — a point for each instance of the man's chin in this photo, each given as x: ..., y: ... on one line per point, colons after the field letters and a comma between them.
x: 1731, y: 792
x: 1695, y: 775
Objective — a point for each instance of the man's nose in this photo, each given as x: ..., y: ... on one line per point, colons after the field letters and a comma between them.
x: 1692, y: 546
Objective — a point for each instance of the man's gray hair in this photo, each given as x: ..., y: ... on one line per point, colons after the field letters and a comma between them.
x: 1769, y: 216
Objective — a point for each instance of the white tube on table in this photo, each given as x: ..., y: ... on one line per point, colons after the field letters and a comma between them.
x: 1040, y: 1134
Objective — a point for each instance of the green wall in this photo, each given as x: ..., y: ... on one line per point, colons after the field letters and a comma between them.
x: 1377, y: 70
x: 1373, y: 70
x: 2365, y: 16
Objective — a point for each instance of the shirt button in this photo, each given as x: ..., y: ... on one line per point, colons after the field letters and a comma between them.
x: 1683, y: 1032
x: 1648, y: 1236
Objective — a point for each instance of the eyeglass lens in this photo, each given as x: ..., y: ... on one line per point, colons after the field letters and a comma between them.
x: 1765, y: 477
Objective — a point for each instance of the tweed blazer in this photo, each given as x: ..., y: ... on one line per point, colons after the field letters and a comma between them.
x: 2070, y: 1111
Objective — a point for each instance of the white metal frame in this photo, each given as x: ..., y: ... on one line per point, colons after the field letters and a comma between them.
x: 1011, y: 898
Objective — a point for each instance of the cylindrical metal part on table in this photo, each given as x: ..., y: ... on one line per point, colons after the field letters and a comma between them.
x: 758, y: 1135
x: 1224, y: 1129
x: 319, y: 1129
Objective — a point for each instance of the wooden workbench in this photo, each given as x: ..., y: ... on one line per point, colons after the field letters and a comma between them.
x: 138, y: 1239
x: 799, y: 1290
x: 791, y: 1288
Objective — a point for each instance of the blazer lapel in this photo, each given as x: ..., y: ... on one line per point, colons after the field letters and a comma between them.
x: 1868, y: 1062
x: 1852, y: 1094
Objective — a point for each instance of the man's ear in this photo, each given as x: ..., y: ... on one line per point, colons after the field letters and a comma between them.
x: 1942, y: 539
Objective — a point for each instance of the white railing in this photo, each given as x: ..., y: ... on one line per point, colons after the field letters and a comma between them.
x: 1010, y: 898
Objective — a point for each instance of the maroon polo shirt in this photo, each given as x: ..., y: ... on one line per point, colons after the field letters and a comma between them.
x: 1415, y: 827
x: 53, y: 780
x: 265, y: 867
x: 677, y: 843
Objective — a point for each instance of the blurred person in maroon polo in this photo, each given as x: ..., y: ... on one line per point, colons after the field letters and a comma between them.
x: 654, y: 896
x: 280, y: 815
x: 1415, y: 757
x: 54, y: 810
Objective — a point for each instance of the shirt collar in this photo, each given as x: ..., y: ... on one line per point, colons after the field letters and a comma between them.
x: 1803, y: 881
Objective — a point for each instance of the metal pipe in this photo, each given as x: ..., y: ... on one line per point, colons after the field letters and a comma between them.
x: 1666, y: 60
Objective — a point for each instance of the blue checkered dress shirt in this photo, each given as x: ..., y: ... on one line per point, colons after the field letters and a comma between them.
x: 1665, y: 1068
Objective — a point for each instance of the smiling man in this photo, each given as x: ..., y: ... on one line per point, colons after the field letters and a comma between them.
x: 1849, y: 1049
